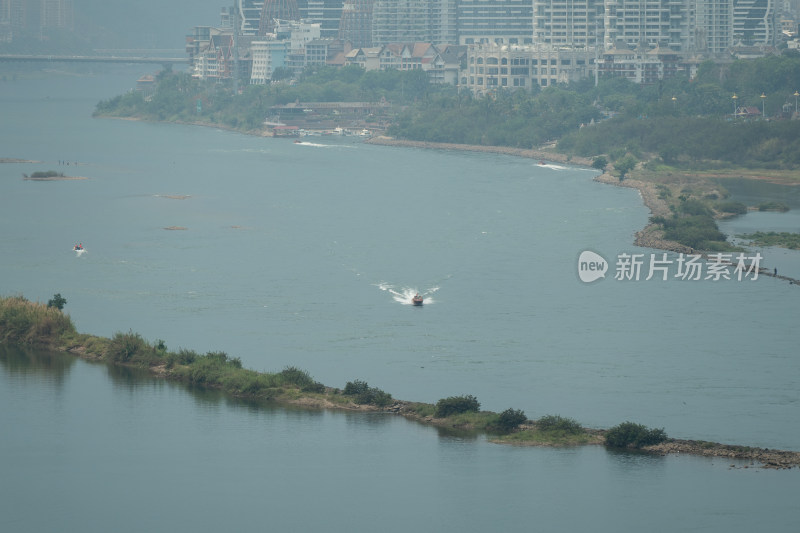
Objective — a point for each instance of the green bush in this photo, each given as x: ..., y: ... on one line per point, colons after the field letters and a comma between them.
x: 455, y: 405
x: 125, y: 347
x: 773, y: 206
x: 182, y: 357
x: 692, y: 206
x: 354, y: 388
x: 294, y: 376
x: 736, y: 208
x: 694, y: 231
x: 27, y: 322
x: 631, y: 435
x: 510, y: 419
x: 366, y: 395
x: 558, y: 423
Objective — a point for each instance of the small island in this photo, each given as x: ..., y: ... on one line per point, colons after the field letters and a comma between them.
x: 50, y: 175
x: 33, y: 324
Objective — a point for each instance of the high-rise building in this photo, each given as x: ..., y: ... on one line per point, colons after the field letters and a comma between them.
x: 327, y: 13
x: 249, y: 16
x: 56, y: 14
x: 650, y: 23
x: 13, y: 13
x: 400, y: 21
x: 568, y: 22
x: 713, y: 26
x: 495, y: 21
x: 276, y: 10
x: 356, y: 23
x: 755, y: 22
x: 444, y: 22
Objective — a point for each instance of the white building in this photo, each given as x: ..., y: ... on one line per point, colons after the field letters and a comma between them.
x: 266, y: 57
x: 491, y: 67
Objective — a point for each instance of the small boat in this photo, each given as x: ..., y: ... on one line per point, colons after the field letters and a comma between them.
x: 78, y: 247
x: 417, y: 299
x: 298, y: 141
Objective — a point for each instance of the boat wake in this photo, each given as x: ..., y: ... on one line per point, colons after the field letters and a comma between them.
x: 405, y: 295
x: 79, y: 252
x: 318, y: 145
x: 552, y: 166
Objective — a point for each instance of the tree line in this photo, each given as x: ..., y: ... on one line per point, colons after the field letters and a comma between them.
x: 683, y: 121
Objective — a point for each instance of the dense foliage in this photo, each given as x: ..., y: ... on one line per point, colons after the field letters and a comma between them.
x: 366, y: 395
x: 510, y: 419
x: 629, y: 434
x: 180, y: 98
x: 684, y: 122
x: 517, y: 119
x: 24, y: 322
x: 773, y: 238
x: 693, y: 140
x: 456, y: 404
x: 558, y: 423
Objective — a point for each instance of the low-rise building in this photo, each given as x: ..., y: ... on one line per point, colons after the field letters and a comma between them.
x: 646, y: 67
x: 491, y: 67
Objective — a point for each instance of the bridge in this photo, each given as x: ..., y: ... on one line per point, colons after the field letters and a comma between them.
x: 94, y: 59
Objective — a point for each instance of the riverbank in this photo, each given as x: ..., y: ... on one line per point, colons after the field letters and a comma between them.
x: 42, y: 326
x: 540, y: 154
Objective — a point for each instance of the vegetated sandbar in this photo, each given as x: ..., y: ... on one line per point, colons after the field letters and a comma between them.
x: 55, y: 178
x: 26, y: 323
x: 331, y: 399
x: 13, y: 160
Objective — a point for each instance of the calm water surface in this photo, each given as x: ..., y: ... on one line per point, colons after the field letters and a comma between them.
x: 306, y: 255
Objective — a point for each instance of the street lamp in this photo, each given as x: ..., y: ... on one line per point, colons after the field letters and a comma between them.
x: 734, y: 97
x: 763, y: 101
x: 674, y: 104
x: 796, y: 94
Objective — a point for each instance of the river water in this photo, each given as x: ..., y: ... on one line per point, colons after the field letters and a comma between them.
x: 307, y: 255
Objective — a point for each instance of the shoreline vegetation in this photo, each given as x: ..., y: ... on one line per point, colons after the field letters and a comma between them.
x: 40, y: 326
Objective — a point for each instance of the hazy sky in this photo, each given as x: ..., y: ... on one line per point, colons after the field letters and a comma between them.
x: 146, y: 23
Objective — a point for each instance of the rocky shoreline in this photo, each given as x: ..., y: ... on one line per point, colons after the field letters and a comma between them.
x: 758, y: 457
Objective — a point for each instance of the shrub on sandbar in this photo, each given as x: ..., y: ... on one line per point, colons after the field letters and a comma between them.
x: 558, y: 423
x: 629, y: 434
x: 366, y: 395
x: 454, y: 405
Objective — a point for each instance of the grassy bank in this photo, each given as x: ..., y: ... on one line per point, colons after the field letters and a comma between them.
x: 23, y: 322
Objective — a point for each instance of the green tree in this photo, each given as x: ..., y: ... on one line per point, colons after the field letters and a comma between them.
x: 57, y: 301
x: 625, y: 165
x: 600, y: 163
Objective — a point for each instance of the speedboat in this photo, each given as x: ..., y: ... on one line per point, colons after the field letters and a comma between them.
x: 417, y: 299
x: 78, y: 247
